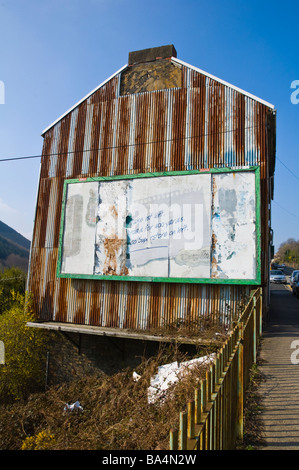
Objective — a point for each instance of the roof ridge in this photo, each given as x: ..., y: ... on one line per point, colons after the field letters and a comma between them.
x: 240, y: 90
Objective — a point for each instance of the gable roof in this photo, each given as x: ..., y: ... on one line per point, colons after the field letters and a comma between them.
x: 174, y: 60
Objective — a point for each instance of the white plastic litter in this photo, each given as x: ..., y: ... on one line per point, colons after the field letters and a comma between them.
x: 73, y: 407
x: 136, y: 376
x: 168, y: 374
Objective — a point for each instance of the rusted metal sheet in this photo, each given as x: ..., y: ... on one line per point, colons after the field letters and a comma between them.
x: 137, y: 306
x: 203, y: 124
x: 159, y: 131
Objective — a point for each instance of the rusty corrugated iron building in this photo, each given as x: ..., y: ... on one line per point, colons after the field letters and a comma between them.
x: 156, y: 114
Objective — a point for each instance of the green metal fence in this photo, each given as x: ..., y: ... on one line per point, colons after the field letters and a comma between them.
x: 214, y: 419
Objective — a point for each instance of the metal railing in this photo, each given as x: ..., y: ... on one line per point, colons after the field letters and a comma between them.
x: 214, y: 419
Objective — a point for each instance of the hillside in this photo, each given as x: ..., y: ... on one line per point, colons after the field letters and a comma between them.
x: 14, y: 248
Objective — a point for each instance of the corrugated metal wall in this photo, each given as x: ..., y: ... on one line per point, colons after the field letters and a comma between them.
x: 203, y: 124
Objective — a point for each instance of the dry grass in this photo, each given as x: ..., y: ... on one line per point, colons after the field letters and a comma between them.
x: 206, y: 330
x: 116, y: 413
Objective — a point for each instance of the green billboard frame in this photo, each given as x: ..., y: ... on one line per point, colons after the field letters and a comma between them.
x: 256, y: 281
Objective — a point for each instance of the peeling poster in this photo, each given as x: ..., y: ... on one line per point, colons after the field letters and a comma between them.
x: 182, y: 226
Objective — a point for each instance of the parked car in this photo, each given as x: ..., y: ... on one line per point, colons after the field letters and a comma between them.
x: 295, y: 287
x: 293, y: 278
x: 281, y: 267
x: 277, y: 277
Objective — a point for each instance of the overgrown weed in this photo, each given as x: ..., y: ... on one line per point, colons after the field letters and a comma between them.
x: 116, y: 413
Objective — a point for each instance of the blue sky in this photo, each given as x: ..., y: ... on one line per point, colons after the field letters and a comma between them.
x: 54, y: 52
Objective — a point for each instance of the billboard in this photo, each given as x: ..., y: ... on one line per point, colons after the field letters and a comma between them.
x: 197, y: 226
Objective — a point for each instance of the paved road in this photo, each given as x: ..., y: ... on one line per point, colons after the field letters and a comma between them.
x: 280, y: 367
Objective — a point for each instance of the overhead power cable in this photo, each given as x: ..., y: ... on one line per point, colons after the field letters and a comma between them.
x: 286, y: 210
x: 139, y: 144
x: 295, y: 176
x: 19, y: 158
x: 136, y: 144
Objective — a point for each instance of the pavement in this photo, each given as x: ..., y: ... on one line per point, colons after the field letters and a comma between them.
x: 279, y: 366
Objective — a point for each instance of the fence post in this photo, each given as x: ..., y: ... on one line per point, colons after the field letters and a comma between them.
x: 240, y: 384
x: 173, y: 439
x: 197, y: 406
x: 203, y: 391
x: 183, y: 431
x: 191, y: 419
x: 254, y: 338
x: 260, y: 311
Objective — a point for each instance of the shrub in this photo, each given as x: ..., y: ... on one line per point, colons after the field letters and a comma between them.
x: 42, y: 441
x: 12, y: 279
x: 25, y: 350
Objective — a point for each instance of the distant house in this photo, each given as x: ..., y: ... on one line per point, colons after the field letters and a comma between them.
x: 154, y: 202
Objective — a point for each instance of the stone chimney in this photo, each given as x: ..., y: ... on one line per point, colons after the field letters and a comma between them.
x: 149, y: 55
x: 151, y: 70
